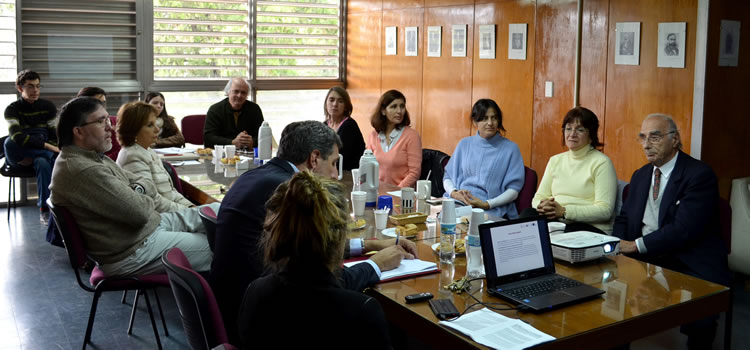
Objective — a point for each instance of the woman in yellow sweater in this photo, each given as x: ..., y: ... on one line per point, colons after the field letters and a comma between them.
x: 579, y: 187
x: 397, y: 147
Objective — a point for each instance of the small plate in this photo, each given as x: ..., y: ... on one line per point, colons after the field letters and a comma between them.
x: 352, y: 227
x: 391, y: 232
x: 434, y: 250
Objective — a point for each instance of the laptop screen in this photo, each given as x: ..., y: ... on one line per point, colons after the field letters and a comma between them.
x: 516, y: 249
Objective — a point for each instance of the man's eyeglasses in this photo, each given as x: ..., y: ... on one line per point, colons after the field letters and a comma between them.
x: 32, y: 86
x: 101, y: 122
x: 653, y: 137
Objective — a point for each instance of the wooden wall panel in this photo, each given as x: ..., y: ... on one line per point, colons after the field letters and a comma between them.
x: 400, y: 72
x: 636, y: 91
x: 402, y: 4
x: 354, y: 6
x: 726, y: 125
x: 594, y: 54
x: 508, y: 82
x: 363, y: 64
x: 441, y: 3
x: 554, y: 60
x: 447, y: 80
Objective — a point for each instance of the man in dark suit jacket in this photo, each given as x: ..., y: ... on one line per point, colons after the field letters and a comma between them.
x: 237, y: 257
x: 669, y: 218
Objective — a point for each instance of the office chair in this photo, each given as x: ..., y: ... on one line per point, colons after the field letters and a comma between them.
x: 192, y: 128
x: 98, y: 283
x: 13, y: 172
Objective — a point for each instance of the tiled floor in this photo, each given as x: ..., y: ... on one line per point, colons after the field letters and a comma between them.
x: 42, y: 307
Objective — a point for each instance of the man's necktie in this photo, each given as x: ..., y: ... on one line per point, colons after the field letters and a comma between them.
x: 657, y: 181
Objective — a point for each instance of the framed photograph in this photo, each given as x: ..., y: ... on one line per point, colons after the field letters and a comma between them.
x: 458, y: 42
x: 411, y: 35
x: 628, y: 43
x: 671, y: 50
x: 487, y: 41
x: 729, y: 43
x: 517, y: 41
x: 434, y: 39
x: 391, y: 43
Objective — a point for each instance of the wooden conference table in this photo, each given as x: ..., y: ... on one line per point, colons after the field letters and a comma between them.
x: 640, y: 299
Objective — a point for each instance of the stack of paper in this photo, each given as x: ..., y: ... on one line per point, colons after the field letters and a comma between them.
x: 497, y: 331
x: 408, y: 268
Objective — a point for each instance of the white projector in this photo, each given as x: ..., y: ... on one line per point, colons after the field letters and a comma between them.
x: 581, y: 246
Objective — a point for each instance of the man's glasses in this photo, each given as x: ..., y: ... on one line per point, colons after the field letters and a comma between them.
x: 31, y: 86
x: 101, y: 122
x: 653, y: 137
x: 579, y: 130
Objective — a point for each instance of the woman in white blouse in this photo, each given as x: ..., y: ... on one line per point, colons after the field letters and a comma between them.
x: 137, y: 132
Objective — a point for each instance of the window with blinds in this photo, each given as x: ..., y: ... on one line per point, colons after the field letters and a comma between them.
x: 201, y: 39
x: 8, y: 40
x: 298, y: 39
x: 205, y: 40
x: 79, y: 40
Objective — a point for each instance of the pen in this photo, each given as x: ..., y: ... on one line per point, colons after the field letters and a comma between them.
x: 398, y: 235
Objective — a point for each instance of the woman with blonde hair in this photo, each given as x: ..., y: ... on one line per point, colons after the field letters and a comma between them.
x: 137, y: 132
x: 303, y: 243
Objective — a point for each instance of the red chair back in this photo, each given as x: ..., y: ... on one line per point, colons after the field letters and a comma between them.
x: 208, y: 217
x: 173, y: 175
x: 527, y: 191
x: 200, y: 313
x: 192, y: 128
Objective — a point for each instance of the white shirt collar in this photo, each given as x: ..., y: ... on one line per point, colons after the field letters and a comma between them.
x: 666, y: 168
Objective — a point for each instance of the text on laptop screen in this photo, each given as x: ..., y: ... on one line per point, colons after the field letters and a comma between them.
x: 517, y: 248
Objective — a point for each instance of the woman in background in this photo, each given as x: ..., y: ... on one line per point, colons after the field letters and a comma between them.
x: 486, y: 170
x: 579, y: 187
x: 303, y: 243
x: 169, y: 134
x: 137, y: 131
x: 338, y: 111
x: 397, y: 147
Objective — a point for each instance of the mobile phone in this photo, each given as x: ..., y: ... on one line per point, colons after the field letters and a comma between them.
x: 415, y: 298
x: 444, y: 309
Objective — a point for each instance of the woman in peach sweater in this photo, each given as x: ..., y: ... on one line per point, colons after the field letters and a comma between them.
x: 397, y: 147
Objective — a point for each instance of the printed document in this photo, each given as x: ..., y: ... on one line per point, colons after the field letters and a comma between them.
x: 492, y: 329
x: 407, y: 267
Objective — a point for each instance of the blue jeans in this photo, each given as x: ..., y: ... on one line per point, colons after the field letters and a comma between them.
x: 43, y: 162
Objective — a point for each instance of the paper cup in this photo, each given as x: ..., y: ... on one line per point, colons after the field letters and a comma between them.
x: 358, y: 202
x: 381, y: 219
x: 229, y: 150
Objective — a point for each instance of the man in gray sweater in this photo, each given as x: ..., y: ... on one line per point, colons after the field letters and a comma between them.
x: 113, y: 207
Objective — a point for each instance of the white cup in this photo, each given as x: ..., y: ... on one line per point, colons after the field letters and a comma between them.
x: 381, y: 219
x: 556, y: 227
x: 358, y: 202
x: 229, y: 150
x: 218, y: 152
x: 407, y: 199
x: 424, y: 189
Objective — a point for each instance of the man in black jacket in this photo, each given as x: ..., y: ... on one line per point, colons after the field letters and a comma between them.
x: 237, y: 258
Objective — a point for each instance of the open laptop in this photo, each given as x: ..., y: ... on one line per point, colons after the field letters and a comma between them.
x: 519, y: 266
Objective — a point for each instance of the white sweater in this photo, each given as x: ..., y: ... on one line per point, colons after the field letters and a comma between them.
x: 147, y: 164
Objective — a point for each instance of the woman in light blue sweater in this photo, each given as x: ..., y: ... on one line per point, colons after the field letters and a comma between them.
x: 486, y: 170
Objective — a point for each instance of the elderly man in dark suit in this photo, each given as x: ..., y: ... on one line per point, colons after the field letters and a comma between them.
x: 669, y: 218
x: 238, y: 259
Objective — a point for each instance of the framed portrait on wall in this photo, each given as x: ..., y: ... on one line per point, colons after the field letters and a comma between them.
x: 458, y: 42
x: 390, y: 41
x: 487, y: 41
x: 671, y: 49
x: 411, y: 41
x: 517, y: 41
x: 628, y: 43
x: 729, y: 43
x: 434, y: 38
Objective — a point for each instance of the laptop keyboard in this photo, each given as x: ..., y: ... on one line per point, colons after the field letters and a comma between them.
x: 542, y: 287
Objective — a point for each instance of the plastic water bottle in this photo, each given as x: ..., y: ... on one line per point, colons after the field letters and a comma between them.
x: 448, y: 232
x: 355, y: 180
x: 475, y: 268
x: 265, y: 141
